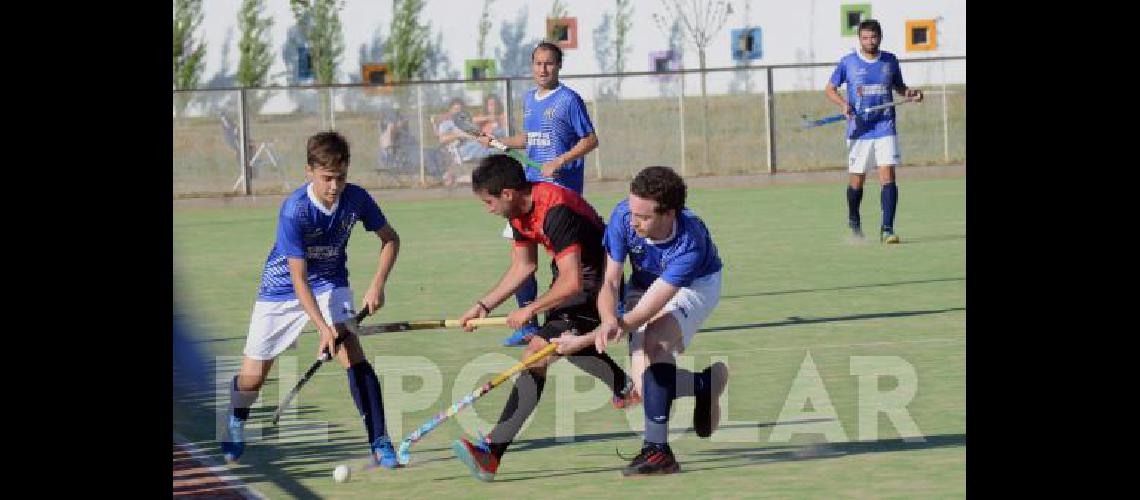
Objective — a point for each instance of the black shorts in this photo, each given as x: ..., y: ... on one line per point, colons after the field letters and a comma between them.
x: 583, y: 318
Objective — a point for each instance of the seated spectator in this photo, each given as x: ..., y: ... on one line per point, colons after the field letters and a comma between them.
x: 494, y: 118
x: 465, y: 145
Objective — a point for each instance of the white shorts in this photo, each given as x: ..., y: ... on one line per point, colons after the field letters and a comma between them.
x: 275, y: 326
x: 870, y: 153
x: 690, y: 306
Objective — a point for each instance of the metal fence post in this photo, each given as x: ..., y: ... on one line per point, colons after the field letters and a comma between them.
x: 768, y: 106
x: 681, y: 106
x: 243, y: 145
x: 420, y: 123
x: 332, y: 110
x: 597, y: 151
x: 945, y: 119
x: 507, y: 107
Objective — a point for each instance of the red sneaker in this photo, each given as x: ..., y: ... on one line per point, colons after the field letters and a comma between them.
x: 478, y: 457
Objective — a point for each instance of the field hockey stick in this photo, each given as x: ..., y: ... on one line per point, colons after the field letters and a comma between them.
x: 463, y: 121
x: 404, y: 456
x: 325, y: 356
x: 428, y: 324
x: 841, y: 117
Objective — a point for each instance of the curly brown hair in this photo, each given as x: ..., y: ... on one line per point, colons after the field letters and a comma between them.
x: 660, y: 184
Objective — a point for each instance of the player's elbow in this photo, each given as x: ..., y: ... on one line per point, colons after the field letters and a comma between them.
x: 573, y: 284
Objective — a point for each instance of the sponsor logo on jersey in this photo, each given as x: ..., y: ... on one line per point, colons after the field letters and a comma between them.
x: 874, y: 89
x: 548, y: 114
x: 538, y: 139
x: 321, y: 252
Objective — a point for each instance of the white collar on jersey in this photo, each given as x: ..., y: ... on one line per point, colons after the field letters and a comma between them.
x: 317, y: 202
x: 667, y: 239
x: 548, y: 94
x: 859, y: 53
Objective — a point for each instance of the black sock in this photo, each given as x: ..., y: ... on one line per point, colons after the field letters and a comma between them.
x: 889, y: 199
x: 241, y: 401
x: 660, y: 384
x: 365, y: 389
x: 854, y: 198
x: 522, y: 402
x: 601, y: 366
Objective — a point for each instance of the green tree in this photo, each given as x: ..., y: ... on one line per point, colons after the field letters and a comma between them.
x: 254, y: 44
x: 702, y: 21
x: 410, y: 42
x: 319, y: 23
x: 557, y: 11
x: 484, y: 27
x: 623, y: 22
x: 188, y: 53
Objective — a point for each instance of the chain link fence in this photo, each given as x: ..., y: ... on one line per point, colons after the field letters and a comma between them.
x: 746, y: 122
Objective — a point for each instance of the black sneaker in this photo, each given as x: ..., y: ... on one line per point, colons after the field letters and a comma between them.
x: 652, y: 460
x: 856, y: 230
x: 706, y: 413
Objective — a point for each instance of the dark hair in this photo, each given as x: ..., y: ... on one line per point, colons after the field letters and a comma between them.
x: 498, y: 102
x: 454, y: 101
x: 551, y: 47
x: 498, y: 172
x: 328, y: 150
x: 871, y: 25
x: 660, y: 184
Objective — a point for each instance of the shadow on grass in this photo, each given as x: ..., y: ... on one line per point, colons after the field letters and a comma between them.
x: 283, y: 455
x: 758, y: 455
x: 796, y: 320
x: 849, y: 287
x: 724, y: 458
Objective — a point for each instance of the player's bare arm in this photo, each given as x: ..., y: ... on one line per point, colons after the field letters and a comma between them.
x: 833, y: 96
x: 524, y: 261
x: 610, y: 327
x: 390, y: 248
x: 569, y: 282
x: 297, y: 273
x: 649, y: 307
x: 517, y: 141
x: 910, y: 94
x: 582, y: 148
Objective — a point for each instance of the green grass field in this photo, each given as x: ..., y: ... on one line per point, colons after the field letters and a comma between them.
x: 794, y: 287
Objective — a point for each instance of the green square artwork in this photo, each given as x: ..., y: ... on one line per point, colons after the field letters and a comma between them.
x: 850, y: 17
x: 478, y: 69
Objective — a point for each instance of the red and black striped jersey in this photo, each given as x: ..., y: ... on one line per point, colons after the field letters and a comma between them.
x: 562, y: 221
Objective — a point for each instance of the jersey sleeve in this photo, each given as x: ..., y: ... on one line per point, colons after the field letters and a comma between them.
x: 614, y: 239
x: 839, y: 76
x: 290, y: 241
x: 578, y: 118
x: 562, y: 227
x: 896, y: 75
x: 520, y: 240
x: 370, y: 212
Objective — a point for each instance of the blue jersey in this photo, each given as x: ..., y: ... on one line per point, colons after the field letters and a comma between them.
x: 305, y: 228
x: 689, y: 254
x: 554, y: 123
x: 869, y: 83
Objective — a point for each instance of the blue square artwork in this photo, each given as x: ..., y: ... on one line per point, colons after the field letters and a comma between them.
x: 746, y: 44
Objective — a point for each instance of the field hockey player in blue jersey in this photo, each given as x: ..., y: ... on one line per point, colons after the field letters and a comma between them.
x: 305, y: 279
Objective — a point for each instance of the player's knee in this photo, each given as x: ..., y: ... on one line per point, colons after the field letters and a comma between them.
x: 250, y: 382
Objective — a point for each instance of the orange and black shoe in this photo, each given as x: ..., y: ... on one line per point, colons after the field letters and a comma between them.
x: 654, y: 459
x: 706, y: 413
x: 478, y: 457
